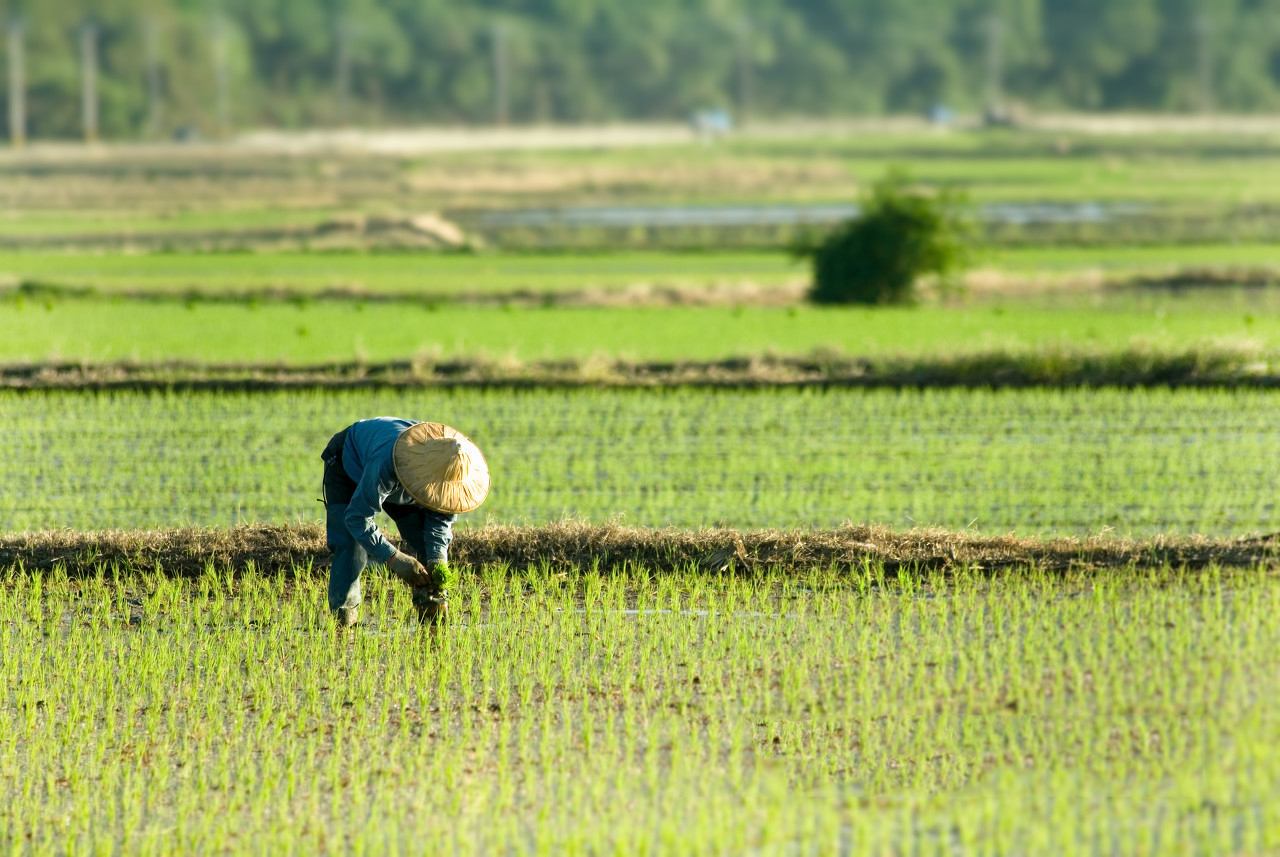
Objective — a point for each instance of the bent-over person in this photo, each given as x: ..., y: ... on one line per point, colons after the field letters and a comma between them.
x: 423, y: 475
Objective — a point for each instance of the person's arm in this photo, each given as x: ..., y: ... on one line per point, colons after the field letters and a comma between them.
x: 376, y: 483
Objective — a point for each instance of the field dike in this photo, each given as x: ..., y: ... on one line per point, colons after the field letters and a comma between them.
x: 1240, y: 366
x: 300, y: 549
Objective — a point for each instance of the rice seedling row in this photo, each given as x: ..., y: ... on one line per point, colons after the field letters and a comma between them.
x: 1035, y: 462
x: 631, y: 714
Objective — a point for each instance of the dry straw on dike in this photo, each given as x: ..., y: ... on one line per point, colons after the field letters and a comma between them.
x: 300, y: 549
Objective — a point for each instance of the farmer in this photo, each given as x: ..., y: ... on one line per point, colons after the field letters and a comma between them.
x: 422, y: 475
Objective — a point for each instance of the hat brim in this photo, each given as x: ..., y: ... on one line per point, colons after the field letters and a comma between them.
x: 426, y: 483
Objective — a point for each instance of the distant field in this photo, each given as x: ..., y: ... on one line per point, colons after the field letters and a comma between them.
x: 1155, y: 258
x: 397, y: 273
x: 1036, y: 462
x: 238, y: 197
x: 339, y: 331
x: 228, y: 217
x: 449, y: 274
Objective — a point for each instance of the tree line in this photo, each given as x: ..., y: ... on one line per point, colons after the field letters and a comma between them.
x: 211, y: 65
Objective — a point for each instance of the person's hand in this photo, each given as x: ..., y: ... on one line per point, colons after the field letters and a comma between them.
x: 408, y: 569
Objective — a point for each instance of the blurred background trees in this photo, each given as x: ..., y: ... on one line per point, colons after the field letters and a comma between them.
x: 208, y: 65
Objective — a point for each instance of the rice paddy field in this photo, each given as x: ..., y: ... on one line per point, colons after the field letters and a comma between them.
x: 92, y: 332
x: 1099, y: 685
x: 434, y: 275
x: 1049, y: 462
x: 441, y: 276
x: 641, y: 713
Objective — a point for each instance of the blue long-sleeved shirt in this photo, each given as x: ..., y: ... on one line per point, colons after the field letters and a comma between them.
x: 366, y: 456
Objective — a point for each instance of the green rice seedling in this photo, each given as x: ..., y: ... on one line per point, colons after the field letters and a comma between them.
x: 1038, y: 462
x: 627, y: 712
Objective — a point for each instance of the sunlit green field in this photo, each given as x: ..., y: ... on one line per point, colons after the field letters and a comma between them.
x: 627, y: 714
x: 323, y: 331
x: 1156, y: 258
x: 425, y: 273
x: 1037, y: 462
x: 444, y: 275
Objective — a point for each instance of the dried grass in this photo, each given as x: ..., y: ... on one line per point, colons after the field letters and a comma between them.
x: 576, y: 545
x: 1240, y: 365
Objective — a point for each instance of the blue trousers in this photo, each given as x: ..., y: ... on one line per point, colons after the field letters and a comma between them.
x: 426, y: 532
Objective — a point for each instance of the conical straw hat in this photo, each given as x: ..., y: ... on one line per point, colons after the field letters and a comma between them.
x: 441, y: 468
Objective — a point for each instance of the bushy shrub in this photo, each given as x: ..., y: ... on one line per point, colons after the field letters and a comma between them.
x: 900, y: 235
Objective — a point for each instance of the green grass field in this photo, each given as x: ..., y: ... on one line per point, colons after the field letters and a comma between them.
x: 342, y: 331
x: 1034, y: 462
x: 1121, y: 260
x: 443, y: 275
x: 423, y: 273
x: 628, y: 714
